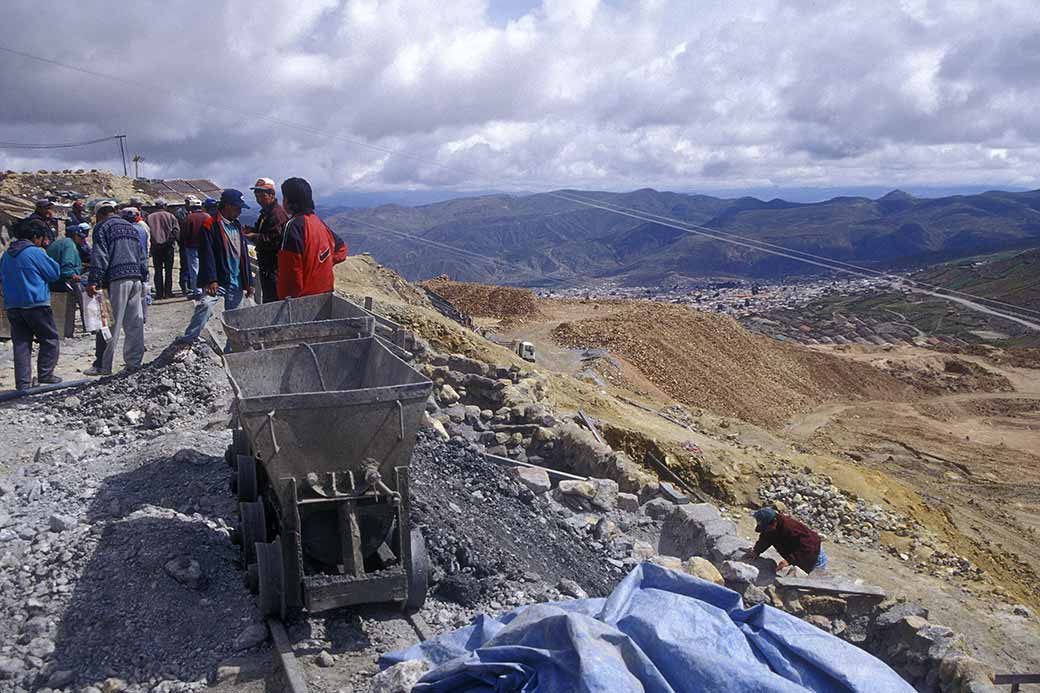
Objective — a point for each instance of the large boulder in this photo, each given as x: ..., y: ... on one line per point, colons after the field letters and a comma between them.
x: 628, y: 502
x: 606, y: 494
x: 739, y: 573
x: 582, y: 489
x: 731, y: 547
x: 693, y: 529
x: 702, y: 568
x: 535, y: 479
x: 400, y: 678
x: 658, y: 508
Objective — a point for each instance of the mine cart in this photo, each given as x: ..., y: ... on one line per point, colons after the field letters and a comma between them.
x: 311, y: 319
x: 322, y: 462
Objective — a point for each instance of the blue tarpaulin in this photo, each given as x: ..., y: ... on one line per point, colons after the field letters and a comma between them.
x: 659, y: 631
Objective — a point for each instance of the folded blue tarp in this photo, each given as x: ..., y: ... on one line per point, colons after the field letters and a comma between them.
x: 659, y: 631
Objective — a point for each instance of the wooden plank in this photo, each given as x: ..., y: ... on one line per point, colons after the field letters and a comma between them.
x: 350, y: 539
x: 294, y: 680
x: 327, y: 592
x: 1005, y: 679
x: 588, y: 424
x: 553, y: 473
x: 830, y: 587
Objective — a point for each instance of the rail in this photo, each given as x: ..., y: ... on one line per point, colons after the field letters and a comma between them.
x: 286, y: 658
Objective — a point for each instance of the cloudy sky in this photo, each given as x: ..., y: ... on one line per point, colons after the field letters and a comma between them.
x: 512, y: 95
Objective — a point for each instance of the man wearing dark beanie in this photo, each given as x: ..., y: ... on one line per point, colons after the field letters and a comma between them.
x: 309, y: 247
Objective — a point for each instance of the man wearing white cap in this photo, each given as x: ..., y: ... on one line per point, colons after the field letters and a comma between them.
x: 267, y: 236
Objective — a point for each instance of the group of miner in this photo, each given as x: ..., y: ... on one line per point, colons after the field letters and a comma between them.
x: 101, y: 262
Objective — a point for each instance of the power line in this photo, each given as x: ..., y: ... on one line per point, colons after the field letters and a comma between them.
x: 66, y: 145
x: 676, y: 225
x: 442, y: 246
x: 805, y: 256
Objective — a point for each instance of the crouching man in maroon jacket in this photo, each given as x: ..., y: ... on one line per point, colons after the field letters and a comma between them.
x: 798, y: 544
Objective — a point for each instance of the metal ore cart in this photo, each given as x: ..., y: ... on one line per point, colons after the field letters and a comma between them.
x: 311, y: 319
x: 322, y: 474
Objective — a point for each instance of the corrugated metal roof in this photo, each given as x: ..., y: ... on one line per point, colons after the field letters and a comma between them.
x: 178, y: 188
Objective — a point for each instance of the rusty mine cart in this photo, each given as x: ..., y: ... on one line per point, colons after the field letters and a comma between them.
x: 323, y: 437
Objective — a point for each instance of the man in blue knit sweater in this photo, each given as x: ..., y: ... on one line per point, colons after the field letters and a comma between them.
x: 26, y: 273
x: 119, y: 264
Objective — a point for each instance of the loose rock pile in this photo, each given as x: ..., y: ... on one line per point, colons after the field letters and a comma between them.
x: 152, y: 398
x: 495, y: 541
x: 509, y: 304
x: 836, y: 514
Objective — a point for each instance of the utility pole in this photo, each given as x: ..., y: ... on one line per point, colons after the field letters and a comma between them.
x: 122, y: 152
x: 137, y: 160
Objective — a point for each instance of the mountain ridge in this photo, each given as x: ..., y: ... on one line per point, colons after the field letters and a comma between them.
x: 546, y: 239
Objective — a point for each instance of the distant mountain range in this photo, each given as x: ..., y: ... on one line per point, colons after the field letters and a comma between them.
x: 545, y: 240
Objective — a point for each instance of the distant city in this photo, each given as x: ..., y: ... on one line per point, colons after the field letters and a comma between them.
x: 739, y: 298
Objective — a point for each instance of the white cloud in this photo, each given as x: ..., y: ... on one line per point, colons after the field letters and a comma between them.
x: 579, y: 93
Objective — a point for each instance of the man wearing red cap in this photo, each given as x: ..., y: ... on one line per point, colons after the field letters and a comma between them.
x: 267, y: 236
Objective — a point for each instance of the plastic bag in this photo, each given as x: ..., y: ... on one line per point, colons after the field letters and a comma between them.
x: 93, y: 317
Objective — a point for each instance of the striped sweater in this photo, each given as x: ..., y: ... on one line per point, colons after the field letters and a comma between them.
x: 117, y: 253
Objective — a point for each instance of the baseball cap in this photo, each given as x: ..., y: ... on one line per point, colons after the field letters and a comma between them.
x: 102, y: 204
x: 129, y: 213
x: 233, y: 197
x: 763, y: 516
x: 160, y: 202
x: 192, y: 201
x: 81, y: 229
x: 209, y: 202
x: 264, y: 184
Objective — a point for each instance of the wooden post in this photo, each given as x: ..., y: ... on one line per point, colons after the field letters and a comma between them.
x: 350, y: 538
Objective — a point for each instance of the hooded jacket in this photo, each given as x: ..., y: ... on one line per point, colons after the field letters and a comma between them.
x: 309, y: 251
x: 26, y: 273
x: 65, y: 252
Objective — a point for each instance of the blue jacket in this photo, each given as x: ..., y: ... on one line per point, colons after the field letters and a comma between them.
x: 26, y: 273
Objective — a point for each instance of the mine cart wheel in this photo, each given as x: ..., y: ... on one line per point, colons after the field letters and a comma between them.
x: 254, y: 529
x: 271, y: 578
x: 418, y: 573
x: 246, y: 478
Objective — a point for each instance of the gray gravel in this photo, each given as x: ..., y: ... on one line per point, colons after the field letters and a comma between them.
x: 115, y: 558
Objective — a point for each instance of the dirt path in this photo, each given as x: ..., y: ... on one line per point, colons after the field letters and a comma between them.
x: 166, y: 320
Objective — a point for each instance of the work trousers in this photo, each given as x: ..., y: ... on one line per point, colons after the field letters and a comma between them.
x: 204, y: 309
x: 162, y: 259
x: 127, y: 317
x: 73, y: 303
x: 27, y: 324
x: 267, y: 269
x: 193, y: 269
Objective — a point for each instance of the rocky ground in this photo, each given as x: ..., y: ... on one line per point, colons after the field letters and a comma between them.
x: 115, y: 559
x: 117, y: 571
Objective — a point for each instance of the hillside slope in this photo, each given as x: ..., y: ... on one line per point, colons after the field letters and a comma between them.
x: 709, y: 361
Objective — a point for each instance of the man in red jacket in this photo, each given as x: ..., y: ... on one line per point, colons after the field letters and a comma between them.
x: 309, y: 247
x: 798, y: 544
